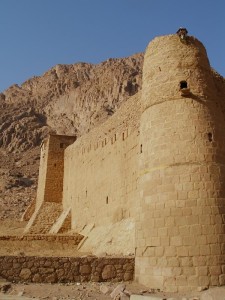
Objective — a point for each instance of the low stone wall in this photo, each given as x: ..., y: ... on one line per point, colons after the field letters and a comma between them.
x: 66, y: 269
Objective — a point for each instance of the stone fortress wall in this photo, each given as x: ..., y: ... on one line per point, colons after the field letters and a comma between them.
x: 159, y: 163
x: 101, y: 171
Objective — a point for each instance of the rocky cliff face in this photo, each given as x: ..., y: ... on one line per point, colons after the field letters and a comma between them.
x: 68, y: 99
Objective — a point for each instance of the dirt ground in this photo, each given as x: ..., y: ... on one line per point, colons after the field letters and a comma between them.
x: 83, y: 291
x: 71, y: 291
x: 76, y: 291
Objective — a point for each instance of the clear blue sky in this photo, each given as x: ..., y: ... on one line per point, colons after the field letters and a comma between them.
x: 35, y: 35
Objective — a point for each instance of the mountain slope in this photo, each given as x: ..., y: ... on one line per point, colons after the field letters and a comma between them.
x: 67, y: 99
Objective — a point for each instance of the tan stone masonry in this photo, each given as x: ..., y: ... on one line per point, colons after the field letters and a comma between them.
x: 158, y: 162
x: 180, y: 234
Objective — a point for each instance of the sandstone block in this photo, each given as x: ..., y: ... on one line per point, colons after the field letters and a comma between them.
x: 117, y: 290
x: 128, y: 276
x: 51, y: 278
x: 203, y: 280
x: 104, y: 289
x: 85, y: 269
x: 25, y: 274
x: 108, y: 272
x: 213, y: 294
x: 37, y: 278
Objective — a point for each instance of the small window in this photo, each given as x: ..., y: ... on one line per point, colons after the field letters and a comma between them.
x: 210, y: 136
x: 141, y: 148
x: 107, y: 200
x: 183, y: 85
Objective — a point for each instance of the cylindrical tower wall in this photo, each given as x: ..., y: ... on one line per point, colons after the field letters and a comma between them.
x: 180, y: 232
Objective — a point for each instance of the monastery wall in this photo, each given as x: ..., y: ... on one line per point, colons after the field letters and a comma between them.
x: 156, y: 167
x: 101, y: 171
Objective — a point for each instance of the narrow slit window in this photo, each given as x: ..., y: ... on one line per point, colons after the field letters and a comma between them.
x: 210, y: 136
x: 107, y: 200
x: 141, y: 148
x: 183, y: 85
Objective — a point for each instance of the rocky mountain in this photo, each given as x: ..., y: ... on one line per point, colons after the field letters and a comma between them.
x: 67, y: 99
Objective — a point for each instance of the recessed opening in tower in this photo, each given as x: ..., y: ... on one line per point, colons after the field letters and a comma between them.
x: 210, y: 136
x: 141, y: 148
x: 183, y: 85
x: 107, y: 200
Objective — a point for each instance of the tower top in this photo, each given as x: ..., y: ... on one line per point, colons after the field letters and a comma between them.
x: 173, y: 63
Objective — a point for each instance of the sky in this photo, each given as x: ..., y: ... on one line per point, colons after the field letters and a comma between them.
x: 36, y: 35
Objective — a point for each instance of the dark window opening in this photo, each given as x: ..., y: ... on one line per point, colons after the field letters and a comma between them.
x: 54, y: 165
x: 86, y: 193
x: 141, y: 148
x: 183, y: 85
x: 107, y: 200
x: 61, y: 145
x: 210, y: 136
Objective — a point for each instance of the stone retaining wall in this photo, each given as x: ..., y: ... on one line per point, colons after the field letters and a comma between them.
x: 66, y: 269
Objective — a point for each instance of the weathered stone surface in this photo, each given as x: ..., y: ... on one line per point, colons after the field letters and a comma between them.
x: 104, y: 289
x: 85, y: 269
x: 213, y: 294
x: 4, y: 287
x: 109, y: 272
x: 117, y: 290
x: 37, y: 278
x: 123, y: 296
x: 128, y: 276
x: 25, y: 274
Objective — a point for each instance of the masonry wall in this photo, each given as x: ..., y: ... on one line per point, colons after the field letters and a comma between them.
x: 101, y: 172
x: 102, y: 183
x: 65, y: 269
x: 180, y: 234
x: 51, y: 172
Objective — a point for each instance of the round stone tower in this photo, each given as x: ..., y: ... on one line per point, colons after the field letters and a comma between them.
x: 180, y: 241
